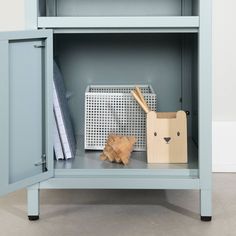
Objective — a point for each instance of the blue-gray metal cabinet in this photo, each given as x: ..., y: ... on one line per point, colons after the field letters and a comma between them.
x: 165, y: 42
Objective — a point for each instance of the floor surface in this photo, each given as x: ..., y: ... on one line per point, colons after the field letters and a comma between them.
x: 122, y: 212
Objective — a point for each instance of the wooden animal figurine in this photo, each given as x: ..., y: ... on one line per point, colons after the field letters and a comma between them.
x: 166, y: 134
x: 167, y: 137
x: 118, y: 149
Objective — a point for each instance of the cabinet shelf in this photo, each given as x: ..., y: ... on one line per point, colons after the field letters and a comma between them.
x: 150, y: 24
x: 87, y: 163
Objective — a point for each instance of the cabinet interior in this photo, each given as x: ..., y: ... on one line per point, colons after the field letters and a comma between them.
x: 118, y: 8
x: 168, y: 62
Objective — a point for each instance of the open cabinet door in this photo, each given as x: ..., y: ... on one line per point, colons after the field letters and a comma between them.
x: 26, y: 108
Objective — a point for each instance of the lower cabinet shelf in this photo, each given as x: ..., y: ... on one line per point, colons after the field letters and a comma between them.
x: 87, y: 171
x: 121, y: 182
x: 88, y: 164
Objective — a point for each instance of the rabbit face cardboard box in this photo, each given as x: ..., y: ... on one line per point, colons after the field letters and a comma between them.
x: 166, y: 137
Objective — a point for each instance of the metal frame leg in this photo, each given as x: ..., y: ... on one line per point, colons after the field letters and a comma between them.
x: 206, y: 205
x: 33, y: 202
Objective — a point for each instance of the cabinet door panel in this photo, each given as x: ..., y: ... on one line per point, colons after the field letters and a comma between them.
x: 25, y: 103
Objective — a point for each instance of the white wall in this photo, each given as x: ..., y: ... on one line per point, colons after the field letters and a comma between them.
x: 12, y: 15
x: 224, y: 74
x: 224, y: 86
x: 224, y: 60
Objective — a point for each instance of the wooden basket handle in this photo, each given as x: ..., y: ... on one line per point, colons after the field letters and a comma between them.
x: 139, y: 101
x: 139, y: 92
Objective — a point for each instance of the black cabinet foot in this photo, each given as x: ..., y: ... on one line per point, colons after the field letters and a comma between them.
x: 206, y: 218
x: 33, y: 218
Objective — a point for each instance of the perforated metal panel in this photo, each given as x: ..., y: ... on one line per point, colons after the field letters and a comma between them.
x: 112, y: 110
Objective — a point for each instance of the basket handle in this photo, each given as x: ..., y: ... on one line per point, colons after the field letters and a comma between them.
x: 139, y: 93
x: 140, y: 102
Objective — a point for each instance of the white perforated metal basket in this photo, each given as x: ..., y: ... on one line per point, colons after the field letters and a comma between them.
x: 112, y: 110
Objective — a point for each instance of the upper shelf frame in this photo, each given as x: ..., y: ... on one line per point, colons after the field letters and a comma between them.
x: 166, y: 24
x: 119, y: 24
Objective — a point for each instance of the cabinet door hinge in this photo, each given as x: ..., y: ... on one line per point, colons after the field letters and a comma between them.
x: 43, y: 162
x: 39, y: 46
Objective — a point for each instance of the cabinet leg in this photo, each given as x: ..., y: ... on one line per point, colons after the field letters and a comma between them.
x: 33, y: 202
x: 206, y: 205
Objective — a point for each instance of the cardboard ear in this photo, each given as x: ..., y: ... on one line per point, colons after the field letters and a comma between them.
x: 181, y: 115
